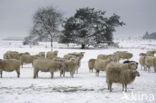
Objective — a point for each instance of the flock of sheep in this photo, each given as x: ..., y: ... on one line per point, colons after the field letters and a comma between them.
x: 50, y: 62
x: 116, y: 72
x: 123, y: 73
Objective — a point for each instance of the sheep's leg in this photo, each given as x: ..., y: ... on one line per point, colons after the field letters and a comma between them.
x: 148, y: 68
x: 97, y: 72
x: 52, y: 74
x: 61, y: 73
x: 125, y: 87
x: 35, y: 73
x: 22, y: 65
x: 1, y: 72
x: 18, y: 73
x: 76, y: 71
x: 110, y: 86
x: 72, y: 74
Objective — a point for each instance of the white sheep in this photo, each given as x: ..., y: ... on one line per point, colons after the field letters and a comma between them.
x: 26, y: 59
x: 11, y: 55
x: 100, y: 65
x: 122, y: 55
x: 91, y: 64
x: 151, y: 53
x: 51, y: 55
x: 70, y: 66
x: 150, y: 61
x: 47, y: 65
x: 10, y: 65
x: 121, y: 73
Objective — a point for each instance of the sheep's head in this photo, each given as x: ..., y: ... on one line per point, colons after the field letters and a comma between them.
x: 56, y: 52
x: 133, y: 65
x: 135, y: 73
x: 142, y: 54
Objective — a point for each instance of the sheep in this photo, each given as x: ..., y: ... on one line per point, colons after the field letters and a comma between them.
x: 79, y: 56
x: 154, y: 64
x: 70, y: 66
x: 142, y: 54
x: 91, y: 64
x: 11, y: 55
x: 150, y: 53
x: 100, y: 65
x: 26, y: 59
x: 51, y: 55
x: 150, y: 61
x: 26, y: 53
x: 68, y: 57
x: 41, y: 54
x: 10, y: 65
x: 47, y: 65
x: 142, y: 60
x: 122, y: 55
x: 120, y: 73
x: 103, y: 56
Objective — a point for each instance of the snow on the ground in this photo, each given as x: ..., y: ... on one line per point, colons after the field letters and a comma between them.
x: 85, y: 87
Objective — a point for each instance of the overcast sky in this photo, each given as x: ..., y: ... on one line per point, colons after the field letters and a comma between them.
x: 139, y: 15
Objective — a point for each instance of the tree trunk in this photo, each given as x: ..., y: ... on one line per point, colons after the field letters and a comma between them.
x: 83, y: 46
x: 51, y: 44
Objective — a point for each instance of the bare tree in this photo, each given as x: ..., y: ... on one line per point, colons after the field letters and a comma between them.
x: 46, y: 23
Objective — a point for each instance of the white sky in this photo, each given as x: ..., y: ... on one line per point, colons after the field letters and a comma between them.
x: 139, y: 15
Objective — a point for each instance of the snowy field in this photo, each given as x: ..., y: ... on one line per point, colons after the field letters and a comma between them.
x: 84, y: 88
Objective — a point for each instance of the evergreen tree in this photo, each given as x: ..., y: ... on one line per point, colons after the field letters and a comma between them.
x: 89, y: 26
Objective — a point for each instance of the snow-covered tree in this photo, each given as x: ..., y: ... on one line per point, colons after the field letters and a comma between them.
x: 89, y: 26
x: 46, y: 22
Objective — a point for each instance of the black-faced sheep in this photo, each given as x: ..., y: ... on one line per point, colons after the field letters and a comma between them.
x: 10, y: 65
x: 120, y: 74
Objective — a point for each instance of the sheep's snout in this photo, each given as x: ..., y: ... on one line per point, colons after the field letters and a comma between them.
x: 137, y: 74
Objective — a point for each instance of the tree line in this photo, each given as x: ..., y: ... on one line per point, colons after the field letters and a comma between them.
x: 86, y: 27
